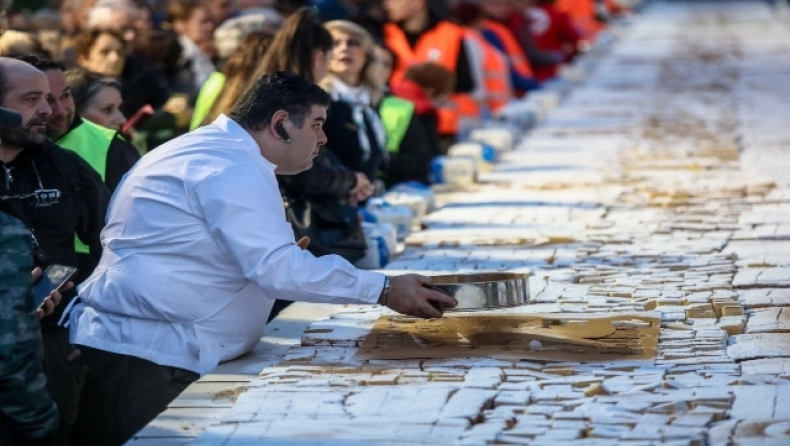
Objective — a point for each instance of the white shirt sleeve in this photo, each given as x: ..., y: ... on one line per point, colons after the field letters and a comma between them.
x: 244, y: 214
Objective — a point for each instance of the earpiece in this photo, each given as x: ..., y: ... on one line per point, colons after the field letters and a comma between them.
x: 281, y: 131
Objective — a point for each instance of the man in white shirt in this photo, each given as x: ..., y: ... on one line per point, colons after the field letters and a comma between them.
x: 197, y: 248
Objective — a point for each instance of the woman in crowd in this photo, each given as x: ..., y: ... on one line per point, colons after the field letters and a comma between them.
x: 222, y: 89
x: 101, y: 51
x: 354, y: 130
x: 104, y: 52
x: 97, y: 98
x: 192, y: 21
x: 303, y: 46
x: 160, y: 49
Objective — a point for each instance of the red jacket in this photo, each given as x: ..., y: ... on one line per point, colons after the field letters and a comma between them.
x: 552, y: 30
x: 408, y: 89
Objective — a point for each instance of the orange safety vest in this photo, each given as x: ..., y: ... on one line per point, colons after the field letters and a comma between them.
x: 514, y: 52
x: 582, y: 13
x: 496, y: 74
x: 442, y: 45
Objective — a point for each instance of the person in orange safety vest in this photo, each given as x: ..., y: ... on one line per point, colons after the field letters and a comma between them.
x: 414, y: 34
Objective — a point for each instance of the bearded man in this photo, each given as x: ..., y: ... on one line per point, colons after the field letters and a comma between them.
x: 55, y: 194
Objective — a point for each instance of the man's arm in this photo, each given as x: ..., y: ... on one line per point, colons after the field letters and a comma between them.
x: 244, y: 213
x: 24, y: 401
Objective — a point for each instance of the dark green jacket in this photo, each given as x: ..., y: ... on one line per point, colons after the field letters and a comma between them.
x: 27, y: 412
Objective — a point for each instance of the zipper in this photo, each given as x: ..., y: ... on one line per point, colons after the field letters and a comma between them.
x: 8, y: 177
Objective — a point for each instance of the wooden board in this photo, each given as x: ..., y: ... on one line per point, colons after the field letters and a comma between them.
x: 550, y: 337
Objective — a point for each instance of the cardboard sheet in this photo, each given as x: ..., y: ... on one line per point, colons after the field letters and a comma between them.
x: 548, y: 337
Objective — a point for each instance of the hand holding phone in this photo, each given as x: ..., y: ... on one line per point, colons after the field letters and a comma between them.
x: 46, y: 291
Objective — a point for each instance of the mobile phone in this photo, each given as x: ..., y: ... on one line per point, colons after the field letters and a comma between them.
x: 53, y: 278
x: 138, y: 118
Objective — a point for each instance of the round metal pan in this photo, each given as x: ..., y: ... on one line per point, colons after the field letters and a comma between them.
x: 484, y: 291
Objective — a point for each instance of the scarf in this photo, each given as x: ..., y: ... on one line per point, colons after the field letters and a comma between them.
x: 358, y: 98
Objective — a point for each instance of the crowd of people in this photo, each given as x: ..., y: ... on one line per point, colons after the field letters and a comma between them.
x: 118, y: 169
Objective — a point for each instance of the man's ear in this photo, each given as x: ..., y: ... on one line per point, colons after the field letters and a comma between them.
x: 278, y: 119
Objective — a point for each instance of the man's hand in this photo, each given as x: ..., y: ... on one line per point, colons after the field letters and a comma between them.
x: 54, y: 297
x: 410, y: 294
x: 178, y: 106
x: 303, y: 242
x: 362, y: 191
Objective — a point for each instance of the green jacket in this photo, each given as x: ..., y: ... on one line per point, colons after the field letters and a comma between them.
x: 26, y: 409
x: 207, y: 96
x: 103, y: 149
x: 396, y: 114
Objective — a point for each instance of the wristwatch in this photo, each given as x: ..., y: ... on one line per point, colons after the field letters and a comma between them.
x: 385, y: 291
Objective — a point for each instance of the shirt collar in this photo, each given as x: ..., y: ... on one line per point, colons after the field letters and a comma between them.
x: 233, y: 128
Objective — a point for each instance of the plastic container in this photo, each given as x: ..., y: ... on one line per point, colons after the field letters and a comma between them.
x: 377, y: 255
x: 522, y: 114
x: 417, y: 203
x: 502, y: 140
x: 483, y: 154
x: 414, y: 187
x: 400, y: 217
x: 456, y: 171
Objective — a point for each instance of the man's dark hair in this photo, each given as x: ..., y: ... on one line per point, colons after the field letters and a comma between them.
x: 41, y: 63
x: 278, y: 91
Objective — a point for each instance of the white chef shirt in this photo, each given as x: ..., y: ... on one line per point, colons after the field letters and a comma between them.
x: 196, y: 249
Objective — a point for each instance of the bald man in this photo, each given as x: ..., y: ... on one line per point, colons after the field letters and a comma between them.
x: 56, y: 195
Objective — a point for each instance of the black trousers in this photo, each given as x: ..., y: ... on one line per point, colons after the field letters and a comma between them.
x: 64, y: 378
x: 122, y: 394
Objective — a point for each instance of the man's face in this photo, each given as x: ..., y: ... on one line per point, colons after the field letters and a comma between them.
x: 199, y: 27
x: 220, y: 10
x: 298, y: 155
x: 61, y: 102
x: 400, y: 10
x: 125, y: 21
x: 67, y: 13
x: 81, y: 13
x: 28, y: 97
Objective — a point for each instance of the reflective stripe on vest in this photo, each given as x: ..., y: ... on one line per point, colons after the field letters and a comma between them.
x: 91, y: 142
x: 396, y: 114
x: 207, y: 96
x: 442, y: 45
x: 512, y: 48
x: 496, y: 74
